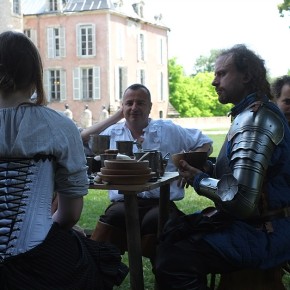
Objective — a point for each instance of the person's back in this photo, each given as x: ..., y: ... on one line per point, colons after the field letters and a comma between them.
x: 104, y: 114
x: 38, y: 250
x: 68, y: 112
x: 86, y: 118
x: 37, y: 136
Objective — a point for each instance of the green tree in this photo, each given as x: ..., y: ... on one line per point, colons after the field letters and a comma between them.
x: 284, y: 7
x: 206, y: 63
x: 193, y: 96
x: 178, y: 87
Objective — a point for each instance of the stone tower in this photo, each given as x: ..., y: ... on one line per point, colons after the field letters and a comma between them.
x: 11, y: 15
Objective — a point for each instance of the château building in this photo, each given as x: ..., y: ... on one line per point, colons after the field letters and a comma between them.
x: 92, y: 50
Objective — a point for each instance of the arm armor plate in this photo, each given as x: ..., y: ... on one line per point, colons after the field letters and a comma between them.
x: 252, y: 139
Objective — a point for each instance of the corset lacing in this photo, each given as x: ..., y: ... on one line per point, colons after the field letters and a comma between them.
x: 14, y: 183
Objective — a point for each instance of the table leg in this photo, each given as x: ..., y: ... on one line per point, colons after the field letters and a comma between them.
x: 163, y: 211
x: 163, y: 206
x: 134, y: 241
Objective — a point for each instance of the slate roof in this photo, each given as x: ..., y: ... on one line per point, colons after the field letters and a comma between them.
x: 30, y: 7
x: 34, y: 7
x: 85, y: 5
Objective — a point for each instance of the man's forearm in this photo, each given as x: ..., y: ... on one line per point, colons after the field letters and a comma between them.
x: 101, y: 126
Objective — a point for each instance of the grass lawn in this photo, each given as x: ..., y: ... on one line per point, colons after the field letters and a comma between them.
x: 96, y: 202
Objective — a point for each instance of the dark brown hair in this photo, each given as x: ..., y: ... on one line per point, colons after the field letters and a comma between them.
x: 278, y: 84
x: 248, y: 62
x: 20, y: 65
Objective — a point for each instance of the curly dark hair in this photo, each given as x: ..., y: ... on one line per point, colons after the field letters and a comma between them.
x: 278, y: 84
x: 247, y: 61
x: 20, y: 65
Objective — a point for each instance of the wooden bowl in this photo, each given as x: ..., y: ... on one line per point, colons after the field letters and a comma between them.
x: 125, y: 179
x: 195, y: 159
x: 126, y: 164
x: 107, y: 171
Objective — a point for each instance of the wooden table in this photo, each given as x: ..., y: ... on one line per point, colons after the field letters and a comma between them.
x: 132, y: 219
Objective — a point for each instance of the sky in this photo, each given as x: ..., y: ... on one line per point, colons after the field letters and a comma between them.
x: 197, y: 26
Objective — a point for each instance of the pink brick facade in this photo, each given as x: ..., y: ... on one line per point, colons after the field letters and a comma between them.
x: 117, y: 60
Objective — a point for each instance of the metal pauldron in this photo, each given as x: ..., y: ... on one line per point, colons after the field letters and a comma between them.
x: 252, y: 139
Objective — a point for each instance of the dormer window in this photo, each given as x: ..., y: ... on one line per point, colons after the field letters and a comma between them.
x: 16, y: 7
x: 56, y: 5
x: 118, y: 3
x: 53, y: 5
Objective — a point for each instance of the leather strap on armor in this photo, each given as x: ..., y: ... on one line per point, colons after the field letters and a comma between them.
x: 271, y: 215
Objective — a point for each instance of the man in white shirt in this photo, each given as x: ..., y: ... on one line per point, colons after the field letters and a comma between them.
x: 162, y: 135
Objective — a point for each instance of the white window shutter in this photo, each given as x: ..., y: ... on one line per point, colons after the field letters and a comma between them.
x: 94, y: 39
x: 78, y: 38
x: 117, y: 86
x: 62, y: 85
x: 62, y: 42
x: 144, y: 48
x: 50, y: 42
x: 120, y: 43
x: 76, y: 84
x: 97, y: 89
x: 160, y: 54
x: 124, y: 79
x: 139, y: 47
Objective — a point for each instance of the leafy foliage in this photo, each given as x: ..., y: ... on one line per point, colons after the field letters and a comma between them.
x: 193, y: 96
x: 284, y: 7
x: 206, y: 63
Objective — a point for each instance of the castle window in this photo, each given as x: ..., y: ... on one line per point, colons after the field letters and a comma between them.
x: 53, y: 5
x: 16, y: 7
x: 86, y: 40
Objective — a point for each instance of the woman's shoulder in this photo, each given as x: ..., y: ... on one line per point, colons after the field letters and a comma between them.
x: 55, y: 115
x: 58, y: 123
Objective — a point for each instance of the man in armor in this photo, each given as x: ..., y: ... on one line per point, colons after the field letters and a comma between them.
x: 281, y: 94
x: 249, y: 227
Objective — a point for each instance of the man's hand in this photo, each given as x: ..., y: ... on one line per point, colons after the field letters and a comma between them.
x: 186, y: 173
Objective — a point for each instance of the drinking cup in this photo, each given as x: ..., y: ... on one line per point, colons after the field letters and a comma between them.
x: 125, y: 147
x: 154, y: 158
x: 99, y: 143
x: 93, y: 165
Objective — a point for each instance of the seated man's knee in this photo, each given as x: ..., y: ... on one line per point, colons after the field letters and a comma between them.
x: 149, y: 224
x: 115, y: 215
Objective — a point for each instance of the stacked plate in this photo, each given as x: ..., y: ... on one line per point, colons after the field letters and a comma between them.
x: 128, y: 172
